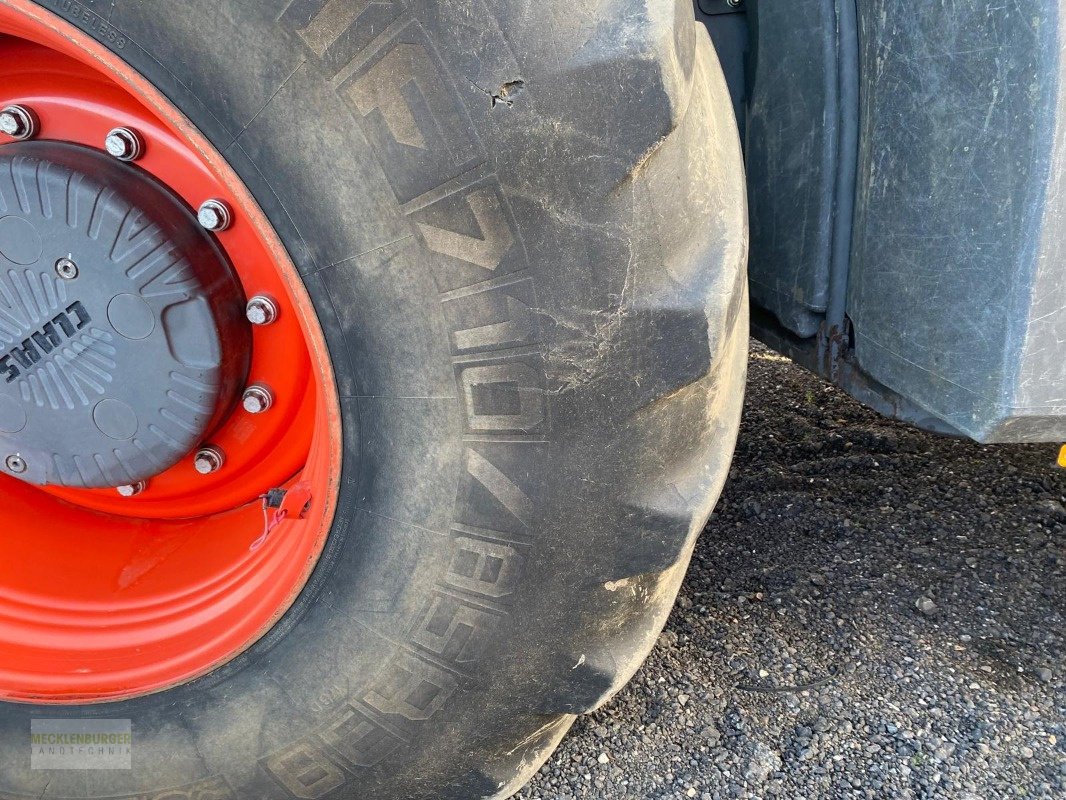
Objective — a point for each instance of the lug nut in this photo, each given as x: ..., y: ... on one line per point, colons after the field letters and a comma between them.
x: 209, y: 459
x: 257, y: 399
x: 16, y: 464
x: 261, y: 310
x: 66, y: 269
x: 125, y: 144
x: 214, y: 215
x: 131, y: 489
x: 18, y: 122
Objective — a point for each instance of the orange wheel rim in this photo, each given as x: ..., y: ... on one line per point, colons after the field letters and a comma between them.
x: 104, y: 596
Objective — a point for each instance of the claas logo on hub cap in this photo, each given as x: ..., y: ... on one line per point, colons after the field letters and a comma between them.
x: 44, y: 340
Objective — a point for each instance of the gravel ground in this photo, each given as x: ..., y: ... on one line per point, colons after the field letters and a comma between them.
x: 872, y: 612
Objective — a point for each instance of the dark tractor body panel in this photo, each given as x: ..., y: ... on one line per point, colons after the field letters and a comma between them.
x: 905, y: 170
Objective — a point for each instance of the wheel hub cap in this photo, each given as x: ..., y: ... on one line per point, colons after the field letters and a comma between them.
x: 123, y: 333
x: 122, y: 338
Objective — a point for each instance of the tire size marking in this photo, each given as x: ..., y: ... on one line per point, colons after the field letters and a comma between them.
x: 395, y: 83
x: 89, y: 21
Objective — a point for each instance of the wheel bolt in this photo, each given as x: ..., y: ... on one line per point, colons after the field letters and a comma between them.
x: 16, y: 464
x: 18, y: 122
x: 214, y: 215
x: 261, y: 310
x: 209, y: 459
x: 125, y: 144
x: 66, y: 269
x: 131, y: 489
x: 257, y: 399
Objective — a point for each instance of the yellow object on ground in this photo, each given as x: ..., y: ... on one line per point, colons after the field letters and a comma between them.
x: 1062, y: 456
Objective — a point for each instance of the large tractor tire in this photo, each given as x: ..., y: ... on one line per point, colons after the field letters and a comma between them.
x: 506, y: 242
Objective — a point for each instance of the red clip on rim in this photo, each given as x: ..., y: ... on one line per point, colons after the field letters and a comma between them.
x: 107, y: 597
